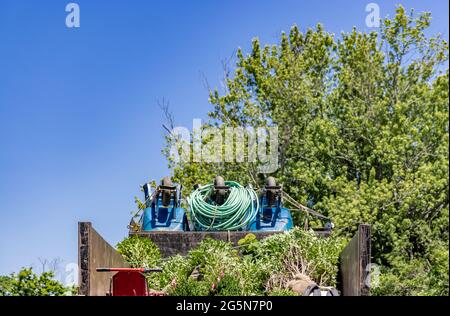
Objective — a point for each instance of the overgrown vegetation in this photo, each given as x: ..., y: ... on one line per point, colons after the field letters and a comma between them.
x: 363, y: 138
x: 139, y: 252
x: 253, y: 268
x: 28, y: 283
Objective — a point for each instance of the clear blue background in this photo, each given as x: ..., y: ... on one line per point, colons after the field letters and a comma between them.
x: 80, y: 128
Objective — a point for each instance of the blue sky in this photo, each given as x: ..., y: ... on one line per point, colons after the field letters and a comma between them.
x: 80, y: 128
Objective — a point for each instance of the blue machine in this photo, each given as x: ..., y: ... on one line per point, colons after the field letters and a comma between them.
x: 272, y: 216
x: 163, y: 210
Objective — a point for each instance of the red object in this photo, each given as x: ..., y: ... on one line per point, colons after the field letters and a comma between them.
x: 130, y: 282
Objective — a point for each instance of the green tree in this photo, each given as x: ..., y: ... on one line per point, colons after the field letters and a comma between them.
x: 28, y: 283
x: 363, y: 134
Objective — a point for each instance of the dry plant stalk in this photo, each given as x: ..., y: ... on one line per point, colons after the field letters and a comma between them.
x: 294, y: 265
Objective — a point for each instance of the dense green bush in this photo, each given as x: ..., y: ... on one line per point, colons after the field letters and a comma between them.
x: 189, y: 287
x: 299, y: 251
x: 173, y: 269
x: 220, y: 270
x: 282, y: 293
x: 139, y: 252
x: 255, y: 267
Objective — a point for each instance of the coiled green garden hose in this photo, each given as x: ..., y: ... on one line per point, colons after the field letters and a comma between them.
x: 239, y: 209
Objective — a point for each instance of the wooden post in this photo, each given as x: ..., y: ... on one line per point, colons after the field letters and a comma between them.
x: 355, y: 264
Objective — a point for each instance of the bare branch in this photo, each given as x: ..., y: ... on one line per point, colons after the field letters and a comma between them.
x: 168, y: 114
x: 205, y: 81
x: 226, y: 68
x: 43, y: 263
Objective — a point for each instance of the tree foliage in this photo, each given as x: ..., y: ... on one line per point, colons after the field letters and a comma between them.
x: 28, y: 283
x: 363, y: 135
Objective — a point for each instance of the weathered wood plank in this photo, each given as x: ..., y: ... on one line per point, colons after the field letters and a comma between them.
x: 355, y: 264
x: 94, y: 252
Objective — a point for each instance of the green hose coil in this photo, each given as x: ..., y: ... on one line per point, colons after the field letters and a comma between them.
x: 235, y: 213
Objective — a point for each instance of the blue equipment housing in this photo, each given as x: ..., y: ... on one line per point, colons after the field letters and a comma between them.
x: 272, y: 216
x: 163, y: 210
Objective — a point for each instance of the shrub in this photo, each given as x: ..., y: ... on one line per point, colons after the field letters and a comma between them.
x: 263, y: 268
x: 283, y: 292
x: 248, y: 245
x: 228, y: 285
x: 190, y: 287
x: 175, y: 270
x: 139, y: 252
x: 299, y: 251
